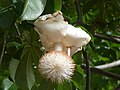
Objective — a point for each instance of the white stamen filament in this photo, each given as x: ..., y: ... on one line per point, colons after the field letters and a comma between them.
x: 57, y: 66
x: 68, y: 51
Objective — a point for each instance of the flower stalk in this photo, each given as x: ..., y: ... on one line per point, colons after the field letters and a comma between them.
x: 58, y: 46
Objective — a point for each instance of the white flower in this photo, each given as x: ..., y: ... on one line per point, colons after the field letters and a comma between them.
x: 56, y: 66
x: 57, y: 37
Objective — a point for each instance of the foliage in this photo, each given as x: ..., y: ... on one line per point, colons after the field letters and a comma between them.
x: 20, y: 48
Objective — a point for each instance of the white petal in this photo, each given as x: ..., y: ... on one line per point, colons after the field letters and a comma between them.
x: 54, y: 27
x: 75, y: 37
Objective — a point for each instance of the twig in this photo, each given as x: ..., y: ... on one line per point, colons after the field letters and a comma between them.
x: 3, y: 49
x: 79, y: 20
x: 87, y: 70
x: 17, y: 29
x: 109, y: 38
x: 109, y: 65
x: 102, y: 72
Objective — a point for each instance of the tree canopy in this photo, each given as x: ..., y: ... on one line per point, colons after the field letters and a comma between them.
x: 97, y: 65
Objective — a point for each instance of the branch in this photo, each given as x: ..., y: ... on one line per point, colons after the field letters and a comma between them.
x: 109, y: 38
x: 102, y: 72
x: 3, y: 49
x: 109, y: 65
x: 77, y: 3
x: 87, y: 70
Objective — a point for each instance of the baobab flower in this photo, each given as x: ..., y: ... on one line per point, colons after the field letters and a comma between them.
x: 61, y: 40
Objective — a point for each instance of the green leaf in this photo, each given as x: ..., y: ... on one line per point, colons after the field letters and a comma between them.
x: 33, y: 9
x: 46, y: 85
x: 5, y: 3
x: 42, y: 83
x: 64, y: 86
x: 13, y: 67
x: 49, y: 8
x: 12, y: 44
x: 24, y: 74
x: 13, y: 87
x: 78, y: 80
x: 7, y: 19
x: 36, y: 54
x: 7, y: 84
x: 80, y: 70
x: 90, y: 4
x: 19, y: 6
x: 57, y: 5
x: 77, y: 57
